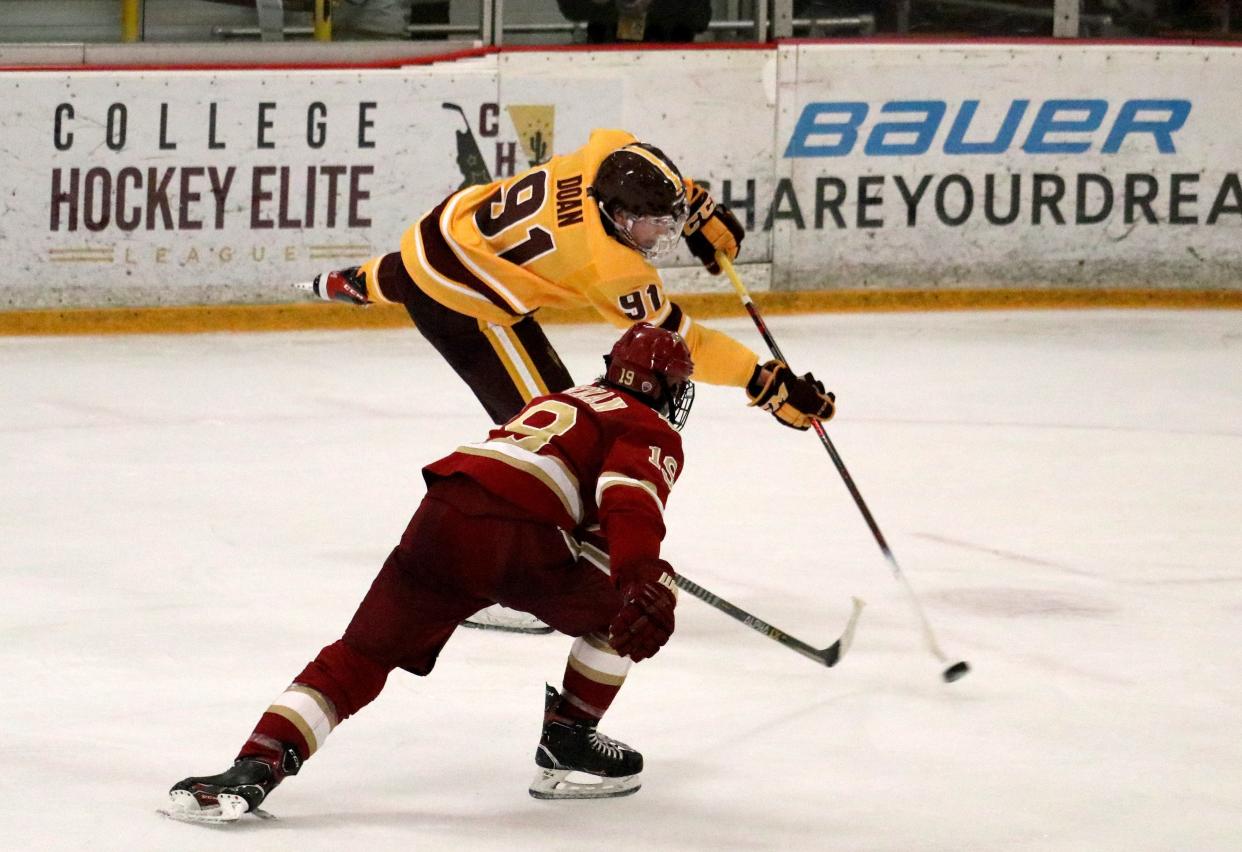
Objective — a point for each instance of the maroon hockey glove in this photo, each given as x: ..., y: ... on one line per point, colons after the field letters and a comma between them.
x: 793, y: 400
x: 342, y: 285
x: 710, y: 227
x: 645, y: 621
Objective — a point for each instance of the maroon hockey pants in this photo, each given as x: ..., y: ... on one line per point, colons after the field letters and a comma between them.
x: 462, y: 551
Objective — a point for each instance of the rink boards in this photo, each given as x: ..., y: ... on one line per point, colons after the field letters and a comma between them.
x: 931, y: 168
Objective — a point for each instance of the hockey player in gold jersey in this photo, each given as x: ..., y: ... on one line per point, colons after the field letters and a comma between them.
x: 581, y: 229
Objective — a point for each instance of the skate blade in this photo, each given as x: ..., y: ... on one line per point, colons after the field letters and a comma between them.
x: 183, y: 807
x: 564, y: 784
x: 507, y: 620
x: 504, y: 628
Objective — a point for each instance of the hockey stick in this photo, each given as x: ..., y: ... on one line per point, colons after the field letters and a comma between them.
x: 829, y: 656
x: 954, y: 671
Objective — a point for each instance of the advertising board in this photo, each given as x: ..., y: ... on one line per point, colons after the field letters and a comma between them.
x: 851, y: 165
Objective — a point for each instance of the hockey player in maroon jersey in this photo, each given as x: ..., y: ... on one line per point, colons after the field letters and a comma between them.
x: 558, y: 513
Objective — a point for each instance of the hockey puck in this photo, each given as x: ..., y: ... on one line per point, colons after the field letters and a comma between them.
x: 957, y: 671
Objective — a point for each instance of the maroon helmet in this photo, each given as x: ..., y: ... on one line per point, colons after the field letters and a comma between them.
x: 655, y: 365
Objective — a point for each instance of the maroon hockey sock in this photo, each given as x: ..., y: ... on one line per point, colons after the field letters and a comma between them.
x: 584, y: 698
x: 593, y: 677
x: 346, y: 677
x: 335, y: 685
x: 267, y: 740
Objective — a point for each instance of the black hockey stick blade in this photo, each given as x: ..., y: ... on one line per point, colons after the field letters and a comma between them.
x: 828, y: 657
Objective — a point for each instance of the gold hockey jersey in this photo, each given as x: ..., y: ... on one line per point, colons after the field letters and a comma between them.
x: 503, y: 250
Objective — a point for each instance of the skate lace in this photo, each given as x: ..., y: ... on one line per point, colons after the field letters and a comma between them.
x: 605, y: 745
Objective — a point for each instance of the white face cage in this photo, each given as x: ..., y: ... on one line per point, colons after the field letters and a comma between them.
x: 652, y: 236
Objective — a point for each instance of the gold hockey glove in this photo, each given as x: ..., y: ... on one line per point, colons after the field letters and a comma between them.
x: 710, y: 227
x: 794, y: 401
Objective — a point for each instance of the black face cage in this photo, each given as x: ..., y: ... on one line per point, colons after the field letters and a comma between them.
x: 677, y: 402
x: 674, y: 400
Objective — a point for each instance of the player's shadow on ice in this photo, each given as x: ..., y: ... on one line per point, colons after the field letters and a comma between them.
x: 480, y: 827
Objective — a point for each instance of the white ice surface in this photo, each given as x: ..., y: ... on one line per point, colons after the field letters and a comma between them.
x: 185, y: 521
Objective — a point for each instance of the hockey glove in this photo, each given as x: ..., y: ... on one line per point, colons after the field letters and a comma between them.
x: 795, y: 401
x: 710, y: 227
x: 645, y: 621
x: 343, y: 285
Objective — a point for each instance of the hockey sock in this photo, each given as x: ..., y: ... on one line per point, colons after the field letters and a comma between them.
x: 301, y: 717
x: 392, y: 282
x: 593, y: 676
x: 335, y: 685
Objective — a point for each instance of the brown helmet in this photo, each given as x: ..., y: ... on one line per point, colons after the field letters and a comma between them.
x: 642, y: 197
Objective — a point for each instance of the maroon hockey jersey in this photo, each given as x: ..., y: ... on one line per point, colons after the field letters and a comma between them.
x: 586, y: 459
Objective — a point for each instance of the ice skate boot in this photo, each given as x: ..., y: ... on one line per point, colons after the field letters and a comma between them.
x: 340, y: 285
x: 577, y: 762
x: 225, y: 797
x: 497, y: 617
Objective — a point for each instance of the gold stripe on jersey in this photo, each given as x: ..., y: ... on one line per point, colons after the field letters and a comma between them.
x: 609, y: 478
x: 549, y: 470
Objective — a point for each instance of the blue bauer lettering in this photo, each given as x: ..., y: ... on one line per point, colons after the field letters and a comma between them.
x: 957, y: 144
x: 1046, y: 122
x: 1128, y: 122
x: 923, y: 130
x: 809, y: 125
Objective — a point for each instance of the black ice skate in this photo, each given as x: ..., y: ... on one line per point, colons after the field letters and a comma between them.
x: 225, y: 797
x: 577, y: 762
